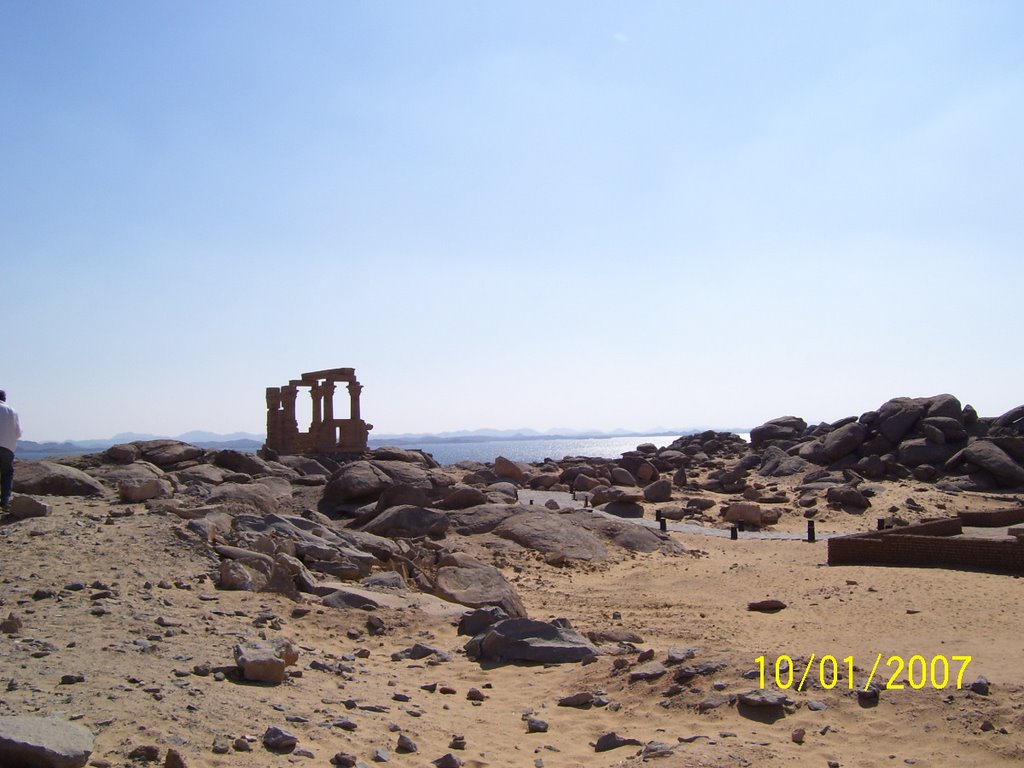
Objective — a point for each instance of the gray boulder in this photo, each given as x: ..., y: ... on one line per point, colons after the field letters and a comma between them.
x: 898, y: 416
x: 135, y: 490
x: 552, y: 534
x: 482, y: 519
x: 264, y: 661
x: 659, y: 490
x: 465, y: 580
x: 23, y: 507
x: 844, y: 440
x: 529, y: 640
x: 246, y: 463
x: 46, y: 478
x: 166, y: 453
x: 408, y: 521
x: 782, y: 428
x: 43, y: 742
x: 991, y: 458
x: 462, y: 497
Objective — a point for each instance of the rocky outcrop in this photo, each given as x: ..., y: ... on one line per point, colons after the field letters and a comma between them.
x: 927, y: 437
x: 463, y: 579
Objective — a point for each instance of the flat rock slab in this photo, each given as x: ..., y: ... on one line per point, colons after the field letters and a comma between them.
x: 43, y: 742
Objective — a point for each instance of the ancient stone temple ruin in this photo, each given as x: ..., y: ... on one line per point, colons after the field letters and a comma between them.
x: 326, y: 434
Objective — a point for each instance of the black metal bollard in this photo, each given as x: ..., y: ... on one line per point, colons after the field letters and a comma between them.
x: 664, y: 523
x: 810, y: 531
x: 531, y: 502
x: 741, y: 525
x: 657, y: 514
x: 733, y: 533
x: 881, y: 524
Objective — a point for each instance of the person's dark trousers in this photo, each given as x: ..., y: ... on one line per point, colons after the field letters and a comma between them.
x: 6, y: 475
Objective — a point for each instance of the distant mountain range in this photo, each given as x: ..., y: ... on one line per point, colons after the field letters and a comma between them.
x: 247, y: 441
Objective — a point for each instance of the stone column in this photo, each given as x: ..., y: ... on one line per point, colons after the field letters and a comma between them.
x: 354, y: 388
x: 316, y: 392
x: 289, y: 427
x: 274, y: 418
x: 330, y: 429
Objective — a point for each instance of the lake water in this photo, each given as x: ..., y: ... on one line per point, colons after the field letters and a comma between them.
x: 540, y: 448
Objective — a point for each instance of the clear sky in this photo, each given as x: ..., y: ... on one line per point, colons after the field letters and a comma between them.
x: 530, y: 214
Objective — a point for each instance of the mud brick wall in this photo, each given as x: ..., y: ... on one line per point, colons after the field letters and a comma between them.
x: 927, y: 544
x: 995, y: 518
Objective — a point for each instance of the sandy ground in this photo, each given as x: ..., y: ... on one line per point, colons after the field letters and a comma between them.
x: 127, y: 602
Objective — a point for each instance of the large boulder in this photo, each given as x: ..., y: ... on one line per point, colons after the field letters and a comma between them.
x: 751, y: 513
x: 913, y: 453
x: 508, y: 469
x: 408, y: 521
x: 366, y: 480
x: 1012, y: 417
x: 528, y: 640
x: 659, y: 490
x: 465, y: 580
x: 782, y: 428
x: 23, y: 507
x: 898, y: 416
x: 264, y: 661
x: 553, y: 534
x: 482, y: 519
x: 45, y: 478
x: 43, y: 742
x: 132, y: 491
x: 115, y: 473
x: 993, y: 459
x: 167, y: 453
x: 238, y: 461
x: 846, y: 439
x: 462, y: 497
x: 264, y: 495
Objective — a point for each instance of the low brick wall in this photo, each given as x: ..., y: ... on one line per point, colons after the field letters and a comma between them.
x: 995, y: 518
x: 933, y: 543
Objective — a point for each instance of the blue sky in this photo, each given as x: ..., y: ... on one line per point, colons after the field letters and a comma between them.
x: 575, y: 214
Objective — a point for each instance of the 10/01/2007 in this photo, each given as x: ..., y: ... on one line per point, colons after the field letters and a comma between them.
x: 938, y: 672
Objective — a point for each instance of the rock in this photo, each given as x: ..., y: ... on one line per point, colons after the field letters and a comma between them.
x: 473, y: 623
x: 482, y: 519
x: 658, y: 491
x: 246, y: 463
x: 751, y: 513
x: 991, y: 458
x: 622, y: 476
x: 174, y: 759
x: 922, y: 451
x: 783, y: 428
x: 43, y: 742
x: 628, y: 509
x: 46, y: 478
x: 166, y: 453
x: 279, y: 740
x: 345, y: 598
x: 770, y: 605
x: 12, y: 625
x: 263, y: 496
x: 535, y: 725
x: 581, y: 700
x: 205, y: 474
x: 798, y: 735
x: 465, y: 580
x: 357, y: 480
x: 650, y: 671
x: 385, y: 580
x: 406, y: 745
x: 146, y: 753
x: 447, y: 761
x: 980, y: 686
x: 462, y: 497
x: 23, y: 507
x: 521, y: 639
x: 612, y: 740
x: 508, y: 469
x: 380, y: 755
x: 552, y: 535
x: 264, y: 661
x: 395, y: 495
x: 846, y: 439
x: 614, y: 635
x: 134, y: 491
x: 1011, y: 418
x: 847, y: 497
x: 406, y: 521
x: 898, y: 416
x: 762, y: 698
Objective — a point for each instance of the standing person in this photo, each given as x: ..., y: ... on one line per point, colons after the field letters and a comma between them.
x: 10, y: 431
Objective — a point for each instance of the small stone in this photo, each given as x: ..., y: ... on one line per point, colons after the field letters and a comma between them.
x: 72, y: 679
x: 448, y: 761
x: 147, y: 753
x: 987, y: 726
x: 980, y: 686
x: 535, y: 725
x: 406, y: 745
x: 798, y: 735
x: 279, y: 740
x: 12, y: 625
x: 220, y: 747
x: 457, y: 742
x: 174, y: 759
x: 344, y: 759
x: 474, y: 694
x: 241, y: 745
x: 612, y: 740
